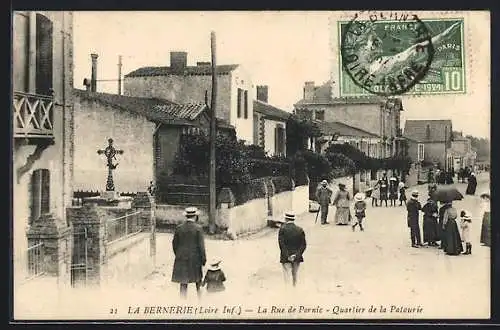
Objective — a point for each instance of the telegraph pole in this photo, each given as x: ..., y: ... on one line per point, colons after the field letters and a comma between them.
x: 119, y: 75
x: 446, y: 149
x: 213, y: 136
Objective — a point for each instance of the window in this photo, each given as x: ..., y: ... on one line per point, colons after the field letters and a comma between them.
x: 420, y: 152
x: 245, y: 104
x: 239, y: 103
x: 279, y: 140
x: 40, y: 193
x: 427, y: 132
x: 320, y: 115
x: 44, y: 32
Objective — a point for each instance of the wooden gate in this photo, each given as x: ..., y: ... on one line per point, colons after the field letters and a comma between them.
x: 79, y: 259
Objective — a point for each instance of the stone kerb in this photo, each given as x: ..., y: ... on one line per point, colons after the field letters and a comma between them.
x: 55, y: 236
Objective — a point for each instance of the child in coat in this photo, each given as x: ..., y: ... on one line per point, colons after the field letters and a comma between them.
x: 214, y: 277
x: 359, y: 211
x: 402, y: 193
x: 465, y: 223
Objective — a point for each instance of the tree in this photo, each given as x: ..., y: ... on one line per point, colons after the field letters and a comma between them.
x: 481, y: 146
x: 298, y: 131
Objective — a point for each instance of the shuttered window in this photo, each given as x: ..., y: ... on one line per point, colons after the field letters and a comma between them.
x: 44, y: 31
x: 279, y: 140
x: 40, y: 193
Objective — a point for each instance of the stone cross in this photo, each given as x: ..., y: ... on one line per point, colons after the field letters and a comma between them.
x: 110, y: 152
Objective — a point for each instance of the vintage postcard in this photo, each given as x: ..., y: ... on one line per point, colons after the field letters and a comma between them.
x: 251, y: 165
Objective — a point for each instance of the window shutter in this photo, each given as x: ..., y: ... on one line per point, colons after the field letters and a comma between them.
x: 245, y: 104
x: 44, y: 30
x: 40, y: 193
x: 276, y: 140
x: 239, y: 103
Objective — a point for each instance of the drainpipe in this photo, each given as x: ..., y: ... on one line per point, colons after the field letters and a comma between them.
x: 64, y: 112
x: 93, y: 78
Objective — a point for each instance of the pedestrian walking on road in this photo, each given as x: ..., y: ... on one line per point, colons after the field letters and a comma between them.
x: 375, y: 196
x: 465, y: 223
x: 471, y: 185
x: 486, y: 223
x: 452, y: 241
x: 359, y: 211
x: 324, y: 197
x: 342, y: 202
x: 292, y: 243
x: 430, y: 223
x: 402, y: 193
x: 413, y: 207
x: 189, y: 249
x: 214, y: 277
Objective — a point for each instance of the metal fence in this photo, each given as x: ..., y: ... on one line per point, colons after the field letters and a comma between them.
x: 123, y: 227
x: 35, y: 261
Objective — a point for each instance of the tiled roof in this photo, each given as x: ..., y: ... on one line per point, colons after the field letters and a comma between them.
x: 189, y: 70
x: 270, y: 111
x: 154, y: 109
x: 331, y: 128
x: 417, y: 130
x: 323, y: 95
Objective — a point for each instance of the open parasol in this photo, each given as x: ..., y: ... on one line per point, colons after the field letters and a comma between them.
x: 447, y: 194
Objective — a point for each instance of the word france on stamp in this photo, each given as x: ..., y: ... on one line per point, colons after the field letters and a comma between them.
x: 391, y: 55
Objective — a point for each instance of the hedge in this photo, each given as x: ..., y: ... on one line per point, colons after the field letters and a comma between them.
x: 282, y: 183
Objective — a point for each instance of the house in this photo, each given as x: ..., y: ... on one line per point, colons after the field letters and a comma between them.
x: 339, y: 133
x: 269, y: 124
x: 429, y: 141
x: 42, y: 113
x: 463, y: 154
x: 379, y: 117
x: 181, y: 83
x: 148, y: 130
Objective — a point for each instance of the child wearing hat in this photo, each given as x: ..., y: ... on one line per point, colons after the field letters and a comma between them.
x: 359, y: 210
x: 214, y: 277
x: 465, y: 223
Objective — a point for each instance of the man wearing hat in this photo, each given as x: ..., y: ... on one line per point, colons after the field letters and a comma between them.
x: 413, y: 207
x: 292, y: 243
x: 189, y: 249
x: 324, y: 197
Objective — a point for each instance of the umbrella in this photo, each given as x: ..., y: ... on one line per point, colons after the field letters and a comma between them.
x: 447, y: 194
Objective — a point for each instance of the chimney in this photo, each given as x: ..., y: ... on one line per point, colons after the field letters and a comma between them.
x: 178, y: 61
x: 262, y: 93
x: 93, y: 78
x: 309, y: 90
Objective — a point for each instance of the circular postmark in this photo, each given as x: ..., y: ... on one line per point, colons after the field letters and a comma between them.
x: 386, y: 54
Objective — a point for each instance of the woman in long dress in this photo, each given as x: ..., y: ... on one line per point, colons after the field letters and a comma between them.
x: 452, y: 240
x: 486, y: 224
x: 342, y: 202
x: 430, y: 210
x: 375, y: 196
x: 440, y: 227
x: 471, y: 185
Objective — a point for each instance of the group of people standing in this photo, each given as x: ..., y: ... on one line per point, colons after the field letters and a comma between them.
x: 388, y: 189
x: 442, y: 223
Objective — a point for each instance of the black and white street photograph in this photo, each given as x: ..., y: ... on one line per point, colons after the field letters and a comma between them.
x: 250, y: 165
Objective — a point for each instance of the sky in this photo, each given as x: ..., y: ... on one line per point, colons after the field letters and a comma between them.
x: 279, y: 49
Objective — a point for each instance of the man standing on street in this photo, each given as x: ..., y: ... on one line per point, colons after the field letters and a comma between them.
x: 189, y: 249
x: 324, y: 197
x: 292, y: 243
x: 413, y: 207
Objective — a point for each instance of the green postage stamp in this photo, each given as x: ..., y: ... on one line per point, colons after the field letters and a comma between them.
x: 392, y: 42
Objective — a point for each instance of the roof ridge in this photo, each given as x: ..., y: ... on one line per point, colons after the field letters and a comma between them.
x: 350, y: 126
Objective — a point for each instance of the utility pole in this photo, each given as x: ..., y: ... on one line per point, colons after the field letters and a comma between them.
x: 446, y: 148
x: 119, y: 75
x: 213, y: 136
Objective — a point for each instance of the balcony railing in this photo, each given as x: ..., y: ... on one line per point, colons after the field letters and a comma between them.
x: 33, y: 115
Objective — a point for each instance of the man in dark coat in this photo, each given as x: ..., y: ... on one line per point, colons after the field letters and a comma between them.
x: 292, y: 243
x: 430, y: 210
x: 440, y: 228
x: 472, y: 184
x: 413, y: 207
x: 383, y: 184
x: 189, y: 249
x: 324, y: 197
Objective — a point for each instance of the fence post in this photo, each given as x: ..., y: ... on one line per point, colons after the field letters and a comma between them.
x: 55, y: 251
x: 145, y: 203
